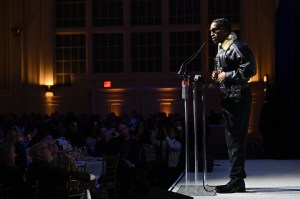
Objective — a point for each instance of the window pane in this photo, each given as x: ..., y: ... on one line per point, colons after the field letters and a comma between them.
x: 70, y: 57
x: 182, y: 46
x: 224, y: 8
x: 108, y: 53
x: 70, y: 13
x: 107, y: 12
x: 145, y: 12
x: 184, y: 12
x: 146, y: 53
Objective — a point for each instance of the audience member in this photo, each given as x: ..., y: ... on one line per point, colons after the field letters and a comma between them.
x: 104, y: 145
x: 92, y: 134
x: 173, y: 152
x: 61, y: 158
x: 74, y: 135
x: 130, y: 155
x: 142, y: 145
x: 11, y: 175
x: 21, y: 156
x: 52, y: 180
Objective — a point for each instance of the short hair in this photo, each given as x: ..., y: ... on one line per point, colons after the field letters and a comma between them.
x: 223, y: 23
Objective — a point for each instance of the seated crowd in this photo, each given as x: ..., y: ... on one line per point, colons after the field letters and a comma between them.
x: 43, y: 149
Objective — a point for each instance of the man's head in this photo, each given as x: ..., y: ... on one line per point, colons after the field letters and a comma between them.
x: 51, y: 144
x: 40, y: 151
x: 104, y: 134
x: 124, y: 131
x: 219, y: 30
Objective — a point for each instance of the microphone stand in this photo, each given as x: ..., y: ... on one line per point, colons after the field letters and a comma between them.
x: 183, y: 74
x: 197, y: 79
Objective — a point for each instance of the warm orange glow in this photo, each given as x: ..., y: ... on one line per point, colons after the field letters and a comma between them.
x: 49, y: 94
x: 167, y: 89
x: 114, y: 90
x: 115, y: 101
x: 49, y: 83
x: 165, y: 100
x: 265, y: 78
x: 166, y: 107
x: 116, y: 108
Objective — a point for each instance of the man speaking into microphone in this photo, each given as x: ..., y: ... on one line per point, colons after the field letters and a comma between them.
x: 234, y: 66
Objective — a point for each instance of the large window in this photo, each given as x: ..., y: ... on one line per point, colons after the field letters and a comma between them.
x: 133, y: 36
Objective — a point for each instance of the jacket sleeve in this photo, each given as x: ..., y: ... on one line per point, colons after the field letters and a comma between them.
x: 241, y: 63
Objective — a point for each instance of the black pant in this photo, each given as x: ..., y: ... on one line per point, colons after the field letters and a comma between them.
x: 236, y: 114
x: 126, y: 177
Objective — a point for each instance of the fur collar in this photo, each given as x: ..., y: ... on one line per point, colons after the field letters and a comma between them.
x: 228, y: 41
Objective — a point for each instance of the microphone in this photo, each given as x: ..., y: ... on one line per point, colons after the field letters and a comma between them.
x: 182, y: 70
x: 198, y: 78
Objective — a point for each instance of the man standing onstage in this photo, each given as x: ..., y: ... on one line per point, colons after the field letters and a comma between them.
x: 234, y: 66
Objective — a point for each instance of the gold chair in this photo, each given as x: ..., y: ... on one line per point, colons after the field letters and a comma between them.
x: 77, y: 189
x: 11, y: 193
x: 7, y: 193
x: 108, y: 179
x: 33, y: 192
x: 81, y: 168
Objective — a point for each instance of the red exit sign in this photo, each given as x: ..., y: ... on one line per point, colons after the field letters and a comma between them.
x: 107, y: 84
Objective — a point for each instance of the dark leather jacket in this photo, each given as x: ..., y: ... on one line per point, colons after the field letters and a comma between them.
x: 238, y: 63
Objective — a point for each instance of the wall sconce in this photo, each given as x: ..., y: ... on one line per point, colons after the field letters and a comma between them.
x: 266, y: 78
x: 49, y: 91
x: 266, y: 82
x: 17, y: 29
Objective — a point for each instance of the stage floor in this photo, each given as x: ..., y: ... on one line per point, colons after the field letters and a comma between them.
x: 267, y: 179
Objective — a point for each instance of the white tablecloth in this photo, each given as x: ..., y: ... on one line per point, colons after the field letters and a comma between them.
x: 93, y: 166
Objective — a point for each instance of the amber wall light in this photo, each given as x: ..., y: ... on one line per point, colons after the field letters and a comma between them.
x: 266, y: 78
x: 49, y: 91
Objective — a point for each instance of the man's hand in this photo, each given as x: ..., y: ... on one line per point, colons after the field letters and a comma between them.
x: 218, y: 76
x: 214, y: 75
x: 221, y: 77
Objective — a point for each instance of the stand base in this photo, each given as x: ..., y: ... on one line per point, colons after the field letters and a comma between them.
x: 195, y: 190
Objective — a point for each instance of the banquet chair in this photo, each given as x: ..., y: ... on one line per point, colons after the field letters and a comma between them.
x: 108, y: 179
x: 10, y: 192
x: 81, y: 168
x: 77, y: 189
x: 6, y: 192
x: 33, y: 192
